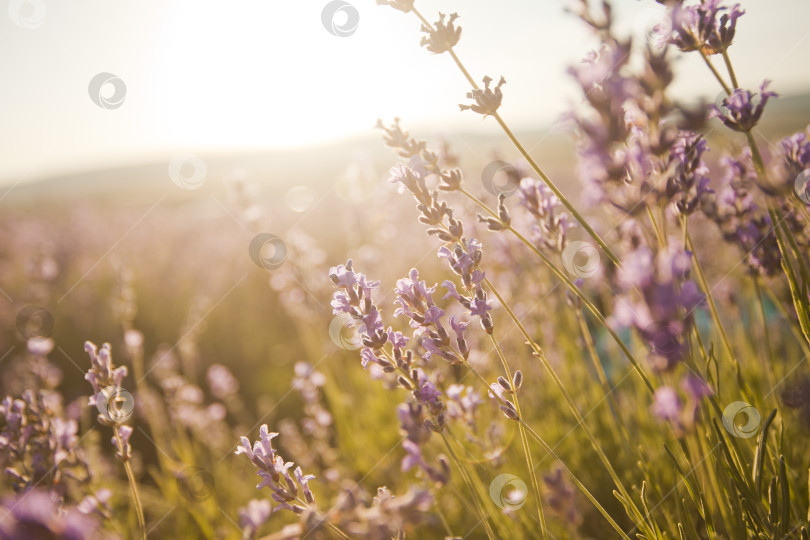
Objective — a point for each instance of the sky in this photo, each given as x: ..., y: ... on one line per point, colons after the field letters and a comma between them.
x: 221, y: 76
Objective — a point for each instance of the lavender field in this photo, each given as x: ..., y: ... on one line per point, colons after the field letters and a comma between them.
x: 565, y: 302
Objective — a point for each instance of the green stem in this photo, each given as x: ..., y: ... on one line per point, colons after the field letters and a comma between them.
x: 715, y: 73
x: 523, y: 439
x: 136, y: 498
x: 730, y: 69
x: 540, y: 354
x: 576, y: 481
x: 453, y: 457
x: 574, y: 290
x: 534, y: 165
x: 766, y: 334
x: 712, y: 306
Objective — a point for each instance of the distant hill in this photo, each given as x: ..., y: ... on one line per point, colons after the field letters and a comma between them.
x: 320, y: 165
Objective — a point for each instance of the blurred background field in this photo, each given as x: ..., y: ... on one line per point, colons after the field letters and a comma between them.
x: 107, y: 242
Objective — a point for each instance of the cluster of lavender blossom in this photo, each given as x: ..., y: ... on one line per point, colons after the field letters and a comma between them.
x: 645, y: 163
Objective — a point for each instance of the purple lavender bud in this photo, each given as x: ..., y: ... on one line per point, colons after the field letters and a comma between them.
x: 303, y: 481
x: 517, y: 380
x: 739, y: 111
x: 34, y: 514
x: 695, y: 387
x: 221, y: 381
x: 509, y: 411
x: 705, y: 27
x: 253, y: 516
x: 123, y: 450
x: 666, y: 404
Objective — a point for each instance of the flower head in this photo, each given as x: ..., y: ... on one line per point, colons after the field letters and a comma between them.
x: 707, y: 27
x: 488, y: 100
x: 441, y: 37
x: 254, y: 515
x: 274, y: 471
x: 741, y: 111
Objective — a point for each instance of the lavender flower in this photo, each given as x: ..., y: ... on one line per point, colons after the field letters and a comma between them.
x: 414, y: 458
x: 793, y: 159
x: 395, y: 137
x: 97, y: 503
x: 35, y: 515
x: 39, y: 447
x: 355, y: 300
x: 274, y: 472
x: 221, y: 381
x: 415, y: 301
x: 498, y: 392
x: 102, y: 373
x: 121, y: 442
x: 487, y: 101
x: 475, y: 300
x: 551, y: 225
x: 740, y: 111
x: 669, y: 407
x: 666, y: 295
x: 740, y: 220
x: 253, y: 516
x: 462, y: 403
x: 689, y: 181
x: 441, y: 37
x: 707, y: 27
x: 561, y: 496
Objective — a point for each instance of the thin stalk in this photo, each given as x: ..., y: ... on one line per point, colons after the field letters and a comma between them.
x: 523, y: 439
x: 136, y: 498
x: 453, y: 457
x: 798, y: 337
x: 574, y: 290
x: 603, y: 380
x: 550, y: 450
x: 766, y: 334
x: 658, y: 234
x: 482, y: 515
x: 576, y: 480
x: 712, y: 306
x: 715, y: 73
x: 534, y: 165
x: 730, y: 69
x: 540, y: 354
